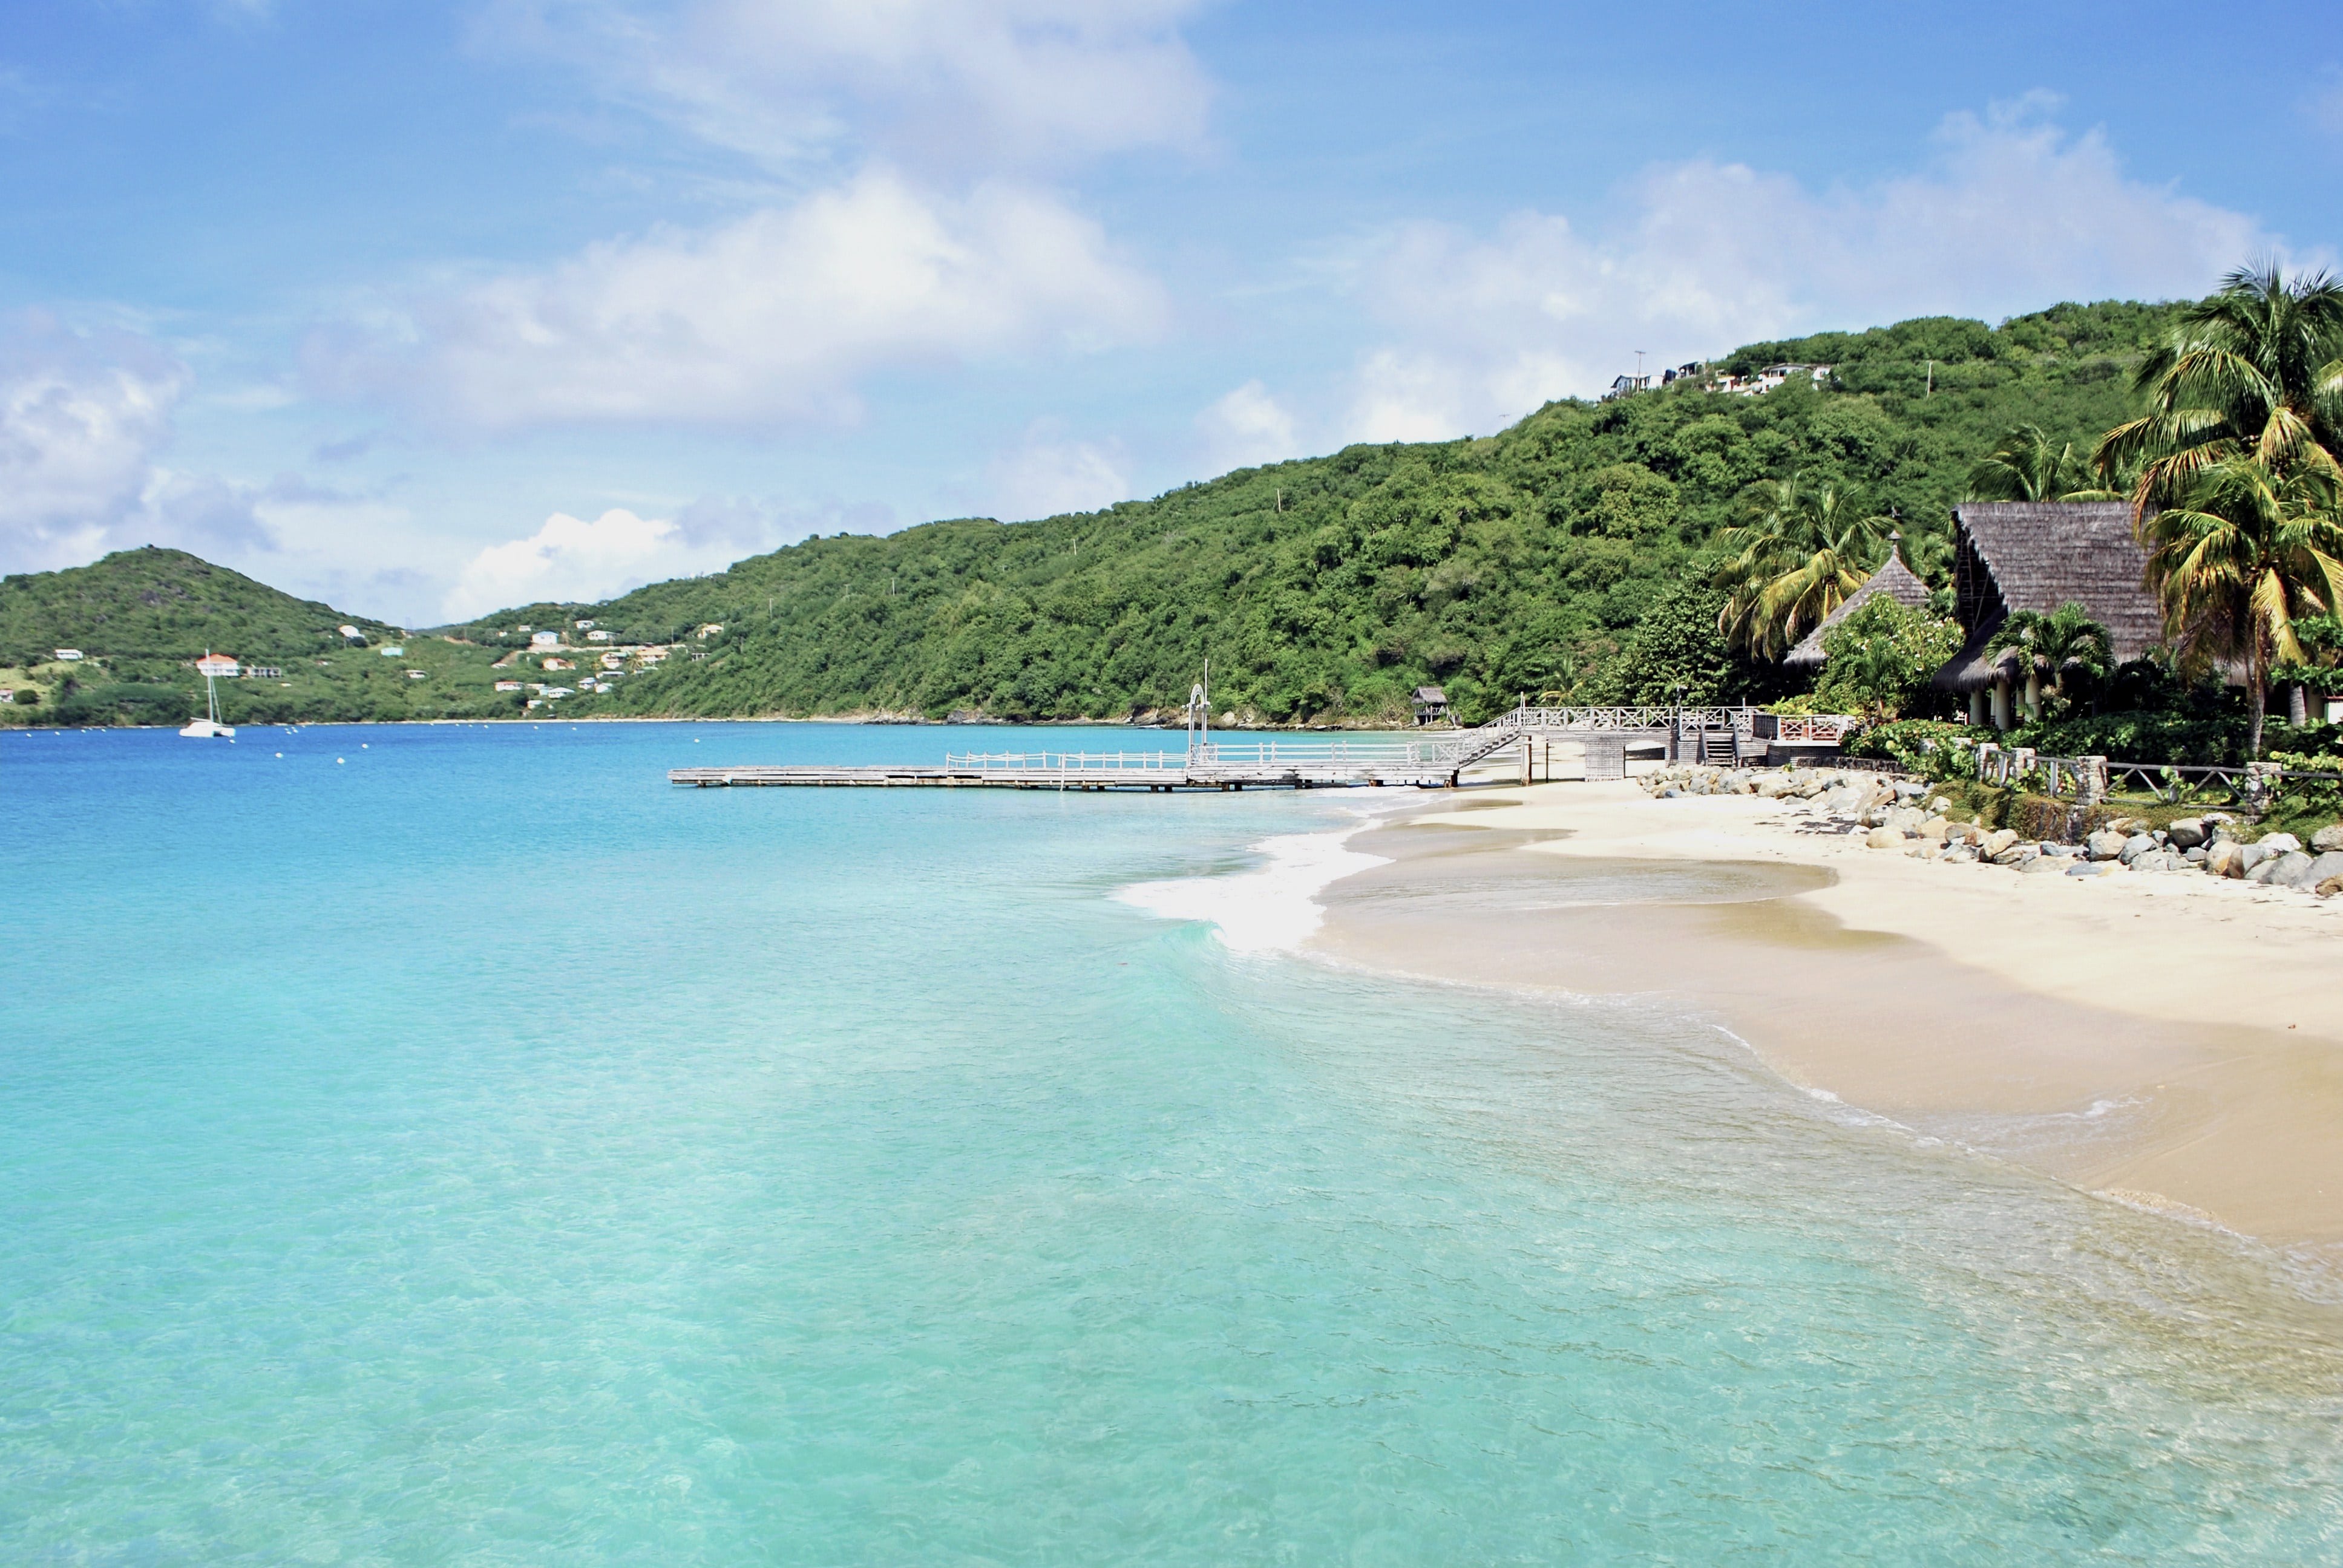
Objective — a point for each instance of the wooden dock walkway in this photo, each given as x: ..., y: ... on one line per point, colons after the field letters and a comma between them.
x: 1596, y: 743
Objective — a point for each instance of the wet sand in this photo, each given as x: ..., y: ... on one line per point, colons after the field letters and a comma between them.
x: 2133, y: 1041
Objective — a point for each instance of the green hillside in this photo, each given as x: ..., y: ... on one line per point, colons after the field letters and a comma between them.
x: 1322, y: 590
x: 1325, y: 590
x: 141, y: 618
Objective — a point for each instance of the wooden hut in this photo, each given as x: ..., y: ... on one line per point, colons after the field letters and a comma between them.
x: 1431, y: 705
x: 2012, y: 555
x: 1895, y: 579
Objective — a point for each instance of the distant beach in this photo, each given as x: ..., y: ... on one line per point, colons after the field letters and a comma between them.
x: 2171, y: 1044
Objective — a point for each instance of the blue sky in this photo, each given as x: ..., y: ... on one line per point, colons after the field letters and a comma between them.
x: 430, y: 307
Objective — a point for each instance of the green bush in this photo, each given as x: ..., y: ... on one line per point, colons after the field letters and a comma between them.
x: 1879, y: 658
x: 1927, y: 747
x: 2142, y: 737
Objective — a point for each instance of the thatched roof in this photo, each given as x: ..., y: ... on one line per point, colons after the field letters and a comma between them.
x: 1895, y: 579
x: 2010, y: 555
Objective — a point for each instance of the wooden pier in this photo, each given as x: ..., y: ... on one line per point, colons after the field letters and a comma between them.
x: 1521, y: 744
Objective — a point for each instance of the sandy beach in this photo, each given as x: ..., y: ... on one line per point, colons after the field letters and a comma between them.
x: 2173, y: 1042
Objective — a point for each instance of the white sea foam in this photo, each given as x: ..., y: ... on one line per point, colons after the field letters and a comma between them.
x: 1271, y: 908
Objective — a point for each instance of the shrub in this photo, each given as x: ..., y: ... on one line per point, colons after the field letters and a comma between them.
x: 2141, y: 736
x: 1925, y: 746
x: 1878, y: 657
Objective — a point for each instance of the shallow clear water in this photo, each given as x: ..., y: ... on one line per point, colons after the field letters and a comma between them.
x: 476, y: 1150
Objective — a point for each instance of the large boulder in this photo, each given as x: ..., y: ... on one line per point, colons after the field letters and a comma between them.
x: 1883, y: 839
x: 2019, y: 855
x: 2279, y: 843
x: 2290, y: 869
x: 2327, y: 840
x: 2092, y: 869
x: 2325, y: 877
x: 1996, y: 841
x: 2137, y: 846
x: 2188, y: 832
x: 2106, y: 844
x: 2225, y: 858
x: 2257, y: 854
x: 2046, y: 864
x: 1935, y: 830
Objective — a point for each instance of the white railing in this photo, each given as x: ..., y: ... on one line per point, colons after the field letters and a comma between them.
x: 1067, y: 762
x: 1605, y: 718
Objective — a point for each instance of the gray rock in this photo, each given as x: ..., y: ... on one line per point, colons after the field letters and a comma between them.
x: 1671, y: 793
x: 2226, y: 857
x: 2280, y: 842
x: 1960, y: 854
x: 2046, y: 864
x: 2194, y: 856
x: 2291, y: 869
x: 2256, y: 854
x: 1999, y: 842
x: 2018, y: 855
x: 2188, y: 832
x: 1883, y: 839
x: 2326, y: 869
x: 2060, y: 849
x: 2138, y: 846
x: 1940, y: 805
x: 2328, y: 840
x: 2106, y: 844
x: 2091, y: 869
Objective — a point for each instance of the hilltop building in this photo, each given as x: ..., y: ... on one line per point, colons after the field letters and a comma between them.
x: 2012, y: 555
x: 218, y: 665
x: 1430, y: 704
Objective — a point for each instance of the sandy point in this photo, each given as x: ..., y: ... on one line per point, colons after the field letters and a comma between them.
x: 2171, y: 1042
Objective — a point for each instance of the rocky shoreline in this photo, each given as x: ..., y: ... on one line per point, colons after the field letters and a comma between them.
x: 1910, y: 816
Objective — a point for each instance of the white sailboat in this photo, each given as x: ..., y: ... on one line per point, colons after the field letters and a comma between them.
x: 210, y: 727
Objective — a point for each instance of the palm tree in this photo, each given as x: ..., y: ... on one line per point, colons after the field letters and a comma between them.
x: 1799, y: 552
x: 2255, y: 548
x: 2066, y: 641
x: 2253, y: 370
x: 2024, y: 467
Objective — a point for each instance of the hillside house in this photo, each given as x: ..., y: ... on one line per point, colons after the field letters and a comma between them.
x: 508, y: 685
x: 1895, y: 579
x: 1430, y: 705
x: 218, y: 667
x: 545, y: 639
x: 597, y: 636
x: 68, y: 656
x: 560, y: 664
x: 585, y: 626
x: 2012, y: 555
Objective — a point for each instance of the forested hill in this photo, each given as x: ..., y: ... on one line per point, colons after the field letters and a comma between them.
x: 140, y: 618
x: 1325, y: 590
x: 1563, y: 555
x: 163, y: 604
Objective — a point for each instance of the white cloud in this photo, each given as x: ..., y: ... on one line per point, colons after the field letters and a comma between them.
x: 83, y: 418
x: 941, y: 83
x: 772, y: 318
x: 2012, y: 214
x: 1246, y: 427
x: 571, y: 559
x: 1048, y: 476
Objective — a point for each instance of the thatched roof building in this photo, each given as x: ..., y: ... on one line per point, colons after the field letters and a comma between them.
x: 2010, y: 555
x: 1895, y: 579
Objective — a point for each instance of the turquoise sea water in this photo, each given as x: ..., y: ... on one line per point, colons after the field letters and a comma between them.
x: 473, y: 1151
